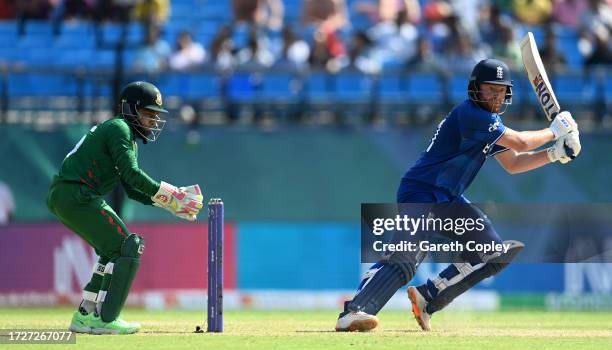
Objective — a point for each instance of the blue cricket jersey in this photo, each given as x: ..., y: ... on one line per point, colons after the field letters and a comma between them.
x: 457, y: 151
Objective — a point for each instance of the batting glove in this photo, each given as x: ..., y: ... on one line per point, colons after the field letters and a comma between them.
x: 572, y: 144
x: 559, y: 152
x: 563, y: 124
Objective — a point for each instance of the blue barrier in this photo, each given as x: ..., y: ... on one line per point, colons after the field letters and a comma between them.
x: 319, y: 256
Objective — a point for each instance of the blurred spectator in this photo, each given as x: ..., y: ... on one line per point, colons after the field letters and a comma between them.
x: 467, y: 12
x: 262, y: 13
x: 504, y: 5
x: 463, y: 55
x: 222, y: 48
x: 295, y: 50
x: 7, y: 204
x: 152, y: 12
x: 551, y: 56
x: 507, y: 49
x: 437, y: 15
x: 492, y: 24
x: 598, y: 13
x: 359, y: 53
x: 7, y: 9
x: 34, y: 9
x: 255, y: 52
x: 71, y: 9
x: 596, y: 33
x: 395, y: 40
x: 424, y: 58
x: 31, y: 10
x: 387, y: 10
x: 113, y: 10
x: 328, y: 15
x: 153, y: 55
x: 188, y: 53
x: 328, y: 51
x: 599, y: 51
x: 568, y: 12
x: 532, y: 12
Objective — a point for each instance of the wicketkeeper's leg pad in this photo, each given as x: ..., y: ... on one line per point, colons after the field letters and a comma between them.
x: 118, y: 277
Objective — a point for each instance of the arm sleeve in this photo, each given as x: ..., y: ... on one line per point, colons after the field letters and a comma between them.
x: 122, y: 150
x: 136, y: 195
x: 497, y: 149
x: 480, y: 125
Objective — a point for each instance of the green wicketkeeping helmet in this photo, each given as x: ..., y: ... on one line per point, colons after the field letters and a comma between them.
x: 138, y: 95
x: 143, y: 95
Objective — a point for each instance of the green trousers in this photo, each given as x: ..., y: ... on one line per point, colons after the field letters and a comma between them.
x: 90, y: 217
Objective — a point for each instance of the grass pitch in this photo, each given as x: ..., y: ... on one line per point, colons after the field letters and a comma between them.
x: 314, y: 329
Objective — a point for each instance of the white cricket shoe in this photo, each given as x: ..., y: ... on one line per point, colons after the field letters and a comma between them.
x: 356, y: 321
x: 418, y: 308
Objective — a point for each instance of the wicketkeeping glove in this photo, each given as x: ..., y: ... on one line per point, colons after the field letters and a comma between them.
x: 184, y: 202
x: 191, y: 211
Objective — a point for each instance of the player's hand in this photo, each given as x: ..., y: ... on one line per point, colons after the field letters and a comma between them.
x: 189, y: 214
x: 563, y: 124
x: 192, y: 209
x: 558, y: 152
x: 184, y: 202
x: 572, y: 144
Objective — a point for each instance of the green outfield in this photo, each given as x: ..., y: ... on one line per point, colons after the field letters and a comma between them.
x: 314, y: 329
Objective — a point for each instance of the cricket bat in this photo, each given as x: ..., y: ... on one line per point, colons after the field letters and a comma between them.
x: 538, y: 78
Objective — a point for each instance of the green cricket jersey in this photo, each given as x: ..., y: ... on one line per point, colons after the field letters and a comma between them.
x: 105, y: 156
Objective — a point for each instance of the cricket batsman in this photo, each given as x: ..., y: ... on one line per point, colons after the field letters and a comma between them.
x: 472, y: 132
x: 103, y: 158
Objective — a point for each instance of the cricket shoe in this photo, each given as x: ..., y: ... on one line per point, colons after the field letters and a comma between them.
x: 118, y: 326
x: 356, y: 321
x: 79, y: 323
x: 419, y: 305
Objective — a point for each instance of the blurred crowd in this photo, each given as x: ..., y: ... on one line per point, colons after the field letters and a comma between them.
x: 369, y: 35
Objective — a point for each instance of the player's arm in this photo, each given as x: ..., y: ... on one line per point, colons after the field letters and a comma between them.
x: 179, y: 202
x: 518, y: 162
x: 136, y: 195
x: 122, y: 151
x: 523, y: 141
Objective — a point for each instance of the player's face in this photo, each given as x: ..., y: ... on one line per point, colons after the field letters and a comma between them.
x: 148, y: 118
x: 492, y: 96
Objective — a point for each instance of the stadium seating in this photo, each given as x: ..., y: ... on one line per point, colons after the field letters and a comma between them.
x: 75, y: 47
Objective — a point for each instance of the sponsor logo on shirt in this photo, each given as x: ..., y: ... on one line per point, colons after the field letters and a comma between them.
x: 486, y: 149
x: 494, y: 126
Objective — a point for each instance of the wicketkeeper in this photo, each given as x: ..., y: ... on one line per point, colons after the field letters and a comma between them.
x: 105, y: 157
x: 472, y: 132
